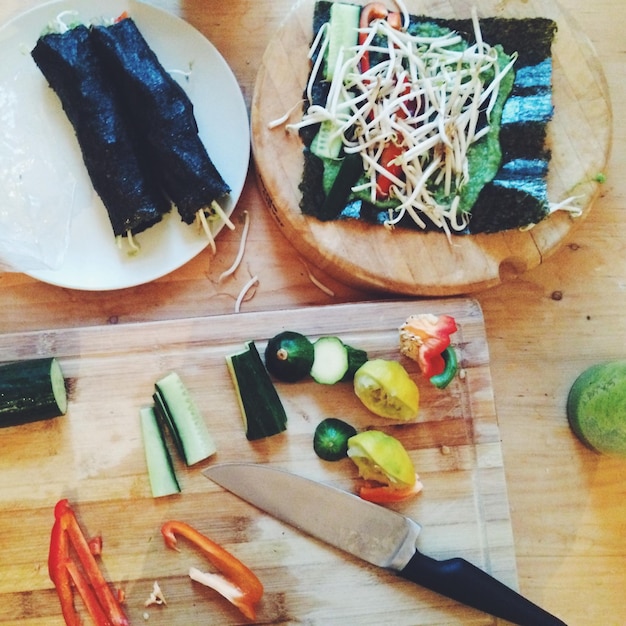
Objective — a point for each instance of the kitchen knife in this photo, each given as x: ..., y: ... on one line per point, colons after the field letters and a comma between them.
x: 374, y: 533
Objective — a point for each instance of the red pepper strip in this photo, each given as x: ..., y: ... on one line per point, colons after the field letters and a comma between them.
x: 58, y: 557
x: 95, y: 545
x: 395, y: 20
x: 434, y: 333
x: 87, y: 594
x: 384, y: 494
x: 247, y: 589
x: 68, y: 522
x: 369, y: 13
x: 384, y: 182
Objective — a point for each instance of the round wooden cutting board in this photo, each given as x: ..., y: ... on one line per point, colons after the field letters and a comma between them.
x: 426, y: 264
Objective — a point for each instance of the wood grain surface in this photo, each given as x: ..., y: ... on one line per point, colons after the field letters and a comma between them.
x: 403, y: 261
x: 93, y: 456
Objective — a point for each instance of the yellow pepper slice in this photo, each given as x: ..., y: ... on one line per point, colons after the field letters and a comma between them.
x: 386, y: 389
x: 382, y: 458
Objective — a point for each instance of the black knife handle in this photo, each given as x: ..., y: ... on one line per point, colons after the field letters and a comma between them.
x: 460, y: 580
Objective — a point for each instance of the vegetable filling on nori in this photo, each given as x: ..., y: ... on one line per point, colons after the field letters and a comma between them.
x: 517, y: 195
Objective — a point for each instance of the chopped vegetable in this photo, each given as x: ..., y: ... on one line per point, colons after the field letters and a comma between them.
x: 356, y: 358
x: 330, y: 440
x: 387, y: 390
x: 349, y: 172
x: 381, y: 459
x: 441, y: 381
x: 330, y: 362
x: 262, y: 411
x: 384, y: 494
x: 342, y: 36
x: 95, y: 545
x: 177, y: 408
x: 236, y: 582
x: 156, y: 596
x: 289, y: 356
x: 161, y: 472
x: 424, y: 337
x: 31, y: 390
x: 101, y: 602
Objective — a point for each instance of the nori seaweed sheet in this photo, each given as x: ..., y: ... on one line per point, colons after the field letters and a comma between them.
x: 111, y: 153
x: 163, y: 115
x: 510, y: 200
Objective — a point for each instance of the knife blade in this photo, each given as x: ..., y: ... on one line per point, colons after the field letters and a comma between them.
x: 375, y: 534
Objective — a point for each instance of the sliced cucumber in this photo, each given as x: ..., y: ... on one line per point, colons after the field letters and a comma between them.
x: 342, y: 33
x: 262, y: 411
x: 161, y: 473
x: 177, y: 408
x: 31, y: 390
x: 330, y: 362
x: 349, y: 172
x: 330, y: 439
x: 327, y: 142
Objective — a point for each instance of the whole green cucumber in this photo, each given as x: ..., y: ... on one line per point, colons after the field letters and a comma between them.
x: 31, y: 390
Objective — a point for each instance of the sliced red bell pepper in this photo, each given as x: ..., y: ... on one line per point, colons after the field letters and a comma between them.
x: 95, y: 545
x: 425, y: 337
x: 238, y: 584
x: 369, y: 13
x: 384, y: 182
x: 98, y: 597
x: 58, y: 557
x: 87, y: 594
x: 385, y: 494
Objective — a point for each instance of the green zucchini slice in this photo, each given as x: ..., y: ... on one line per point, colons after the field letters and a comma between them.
x: 330, y: 363
x: 262, y: 411
x: 330, y: 439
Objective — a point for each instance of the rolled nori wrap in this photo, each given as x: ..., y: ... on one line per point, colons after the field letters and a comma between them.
x: 113, y: 158
x: 163, y: 115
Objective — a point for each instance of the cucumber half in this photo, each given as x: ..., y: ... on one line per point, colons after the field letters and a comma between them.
x: 176, y: 407
x: 161, y: 473
x: 31, y: 390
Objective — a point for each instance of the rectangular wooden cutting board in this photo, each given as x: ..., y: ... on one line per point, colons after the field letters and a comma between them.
x: 93, y: 456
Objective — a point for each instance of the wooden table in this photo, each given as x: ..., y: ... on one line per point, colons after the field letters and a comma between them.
x: 544, y: 327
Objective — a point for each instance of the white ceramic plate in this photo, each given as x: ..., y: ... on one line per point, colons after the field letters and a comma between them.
x: 91, y: 260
